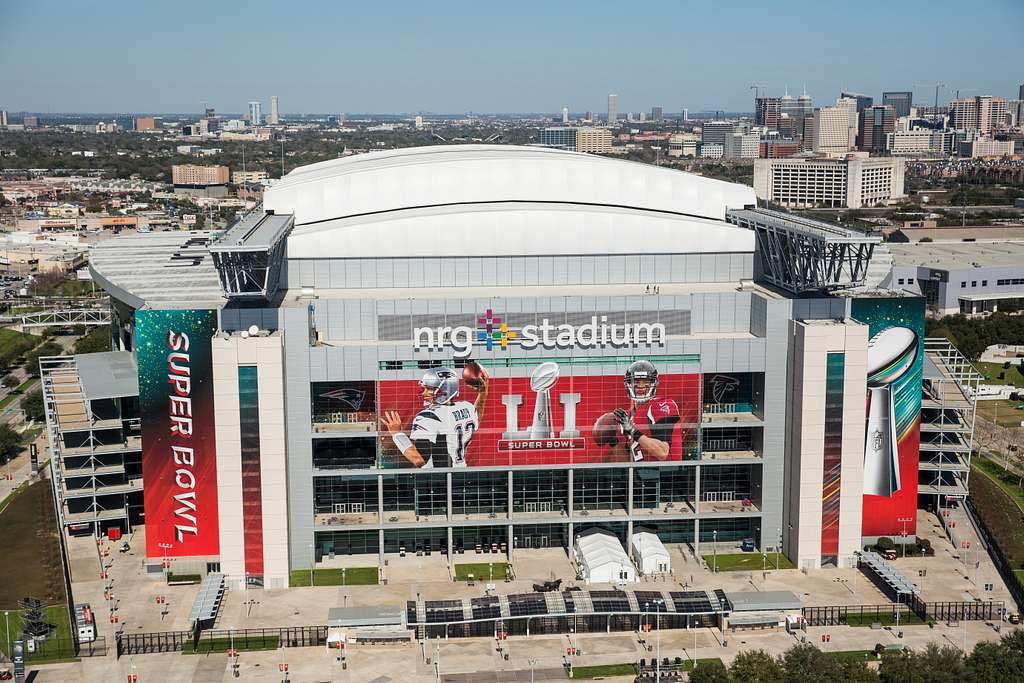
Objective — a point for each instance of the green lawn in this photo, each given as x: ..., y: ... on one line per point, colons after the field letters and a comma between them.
x: 13, y: 494
x: 1007, y: 481
x: 1011, y: 375
x: 481, y: 571
x: 30, y: 563
x: 18, y: 391
x: 14, y: 344
x: 1019, y: 573
x: 746, y: 562
x: 1002, y: 412
x: 604, y: 670
x: 354, y: 576
x: 58, y: 646
x: 859, y: 655
x: 240, y: 643
x: 906, y: 619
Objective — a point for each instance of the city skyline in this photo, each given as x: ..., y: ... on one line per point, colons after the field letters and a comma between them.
x: 462, y: 68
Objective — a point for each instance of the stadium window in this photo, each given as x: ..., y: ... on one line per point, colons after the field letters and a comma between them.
x: 963, y: 285
x: 900, y: 281
x: 910, y: 280
x: 984, y: 283
x: 974, y: 283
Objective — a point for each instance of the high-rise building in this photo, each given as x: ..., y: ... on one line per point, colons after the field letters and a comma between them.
x: 275, y: 117
x: 255, y: 114
x: 922, y: 141
x: 656, y: 113
x: 593, y: 140
x: 900, y: 100
x: 863, y: 101
x: 1015, y: 110
x: 740, y: 145
x: 145, y: 123
x: 3, y: 118
x: 832, y: 130
x: 419, y: 122
x: 983, y: 113
x: 767, y: 111
x: 31, y: 121
x: 715, y: 132
x: 613, y: 109
x: 562, y: 137
x: 1020, y: 92
x: 565, y: 115
x: 211, y: 113
x: 852, y: 182
x: 875, y: 123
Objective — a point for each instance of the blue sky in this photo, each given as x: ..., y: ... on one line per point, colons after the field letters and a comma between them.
x: 318, y: 57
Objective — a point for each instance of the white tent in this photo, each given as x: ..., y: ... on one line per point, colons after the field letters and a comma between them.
x: 602, y: 559
x: 649, y: 553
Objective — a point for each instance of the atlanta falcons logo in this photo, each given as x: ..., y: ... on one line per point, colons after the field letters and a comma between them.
x: 353, y: 398
x: 722, y: 385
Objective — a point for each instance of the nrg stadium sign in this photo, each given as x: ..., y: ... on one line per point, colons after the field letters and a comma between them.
x: 492, y: 331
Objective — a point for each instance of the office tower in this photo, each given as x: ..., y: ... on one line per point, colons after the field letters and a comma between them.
x: 31, y: 121
x: 767, y: 112
x: 1020, y: 92
x: 255, y: 114
x: 875, y: 123
x: 832, y: 130
x: 643, y: 116
x: 593, y: 140
x: 686, y: 114
x: 1015, y: 110
x: 656, y: 113
x: 804, y: 105
x: 563, y: 137
x: 788, y: 105
x: 900, y: 100
x: 419, y: 123
x: 274, y: 117
x: 613, y: 109
x: 833, y: 183
x: 589, y: 117
x: 565, y: 115
x: 3, y: 118
x: 983, y: 113
x: 863, y: 101
x: 741, y: 146
x: 211, y: 113
x: 715, y: 132
x: 341, y: 119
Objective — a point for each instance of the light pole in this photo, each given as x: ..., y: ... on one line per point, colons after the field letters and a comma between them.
x: 166, y: 547
x: 657, y: 667
x: 312, y: 561
x: 778, y: 548
x: 7, y: 623
x: 904, y: 520
x: 532, y: 662
x: 714, y: 548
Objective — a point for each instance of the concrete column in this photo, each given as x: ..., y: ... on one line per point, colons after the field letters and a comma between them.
x: 380, y: 548
x: 569, y: 498
x: 696, y: 537
x: 510, y: 494
x: 696, y: 489
x: 380, y: 501
x: 508, y: 543
x: 629, y: 493
x: 569, y: 540
x: 448, y: 490
x: 451, y: 555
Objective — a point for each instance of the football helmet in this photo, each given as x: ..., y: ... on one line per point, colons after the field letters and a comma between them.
x: 444, y: 382
x: 637, y: 370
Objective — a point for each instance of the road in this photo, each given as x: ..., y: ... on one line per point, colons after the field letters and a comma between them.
x: 968, y: 209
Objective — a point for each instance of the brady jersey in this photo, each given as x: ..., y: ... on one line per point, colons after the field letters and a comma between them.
x: 659, y: 419
x: 442, y: 433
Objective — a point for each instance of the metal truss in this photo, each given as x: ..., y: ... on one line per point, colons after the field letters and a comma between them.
x: 84, y: 316
x: 802, y: 255
x: 249, y: 255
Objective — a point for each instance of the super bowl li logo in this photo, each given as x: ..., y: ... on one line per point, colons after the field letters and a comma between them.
x: 541, y: 434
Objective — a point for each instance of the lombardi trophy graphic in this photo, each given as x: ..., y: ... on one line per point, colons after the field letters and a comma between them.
x: 891, y: 353
x: 541, y: 381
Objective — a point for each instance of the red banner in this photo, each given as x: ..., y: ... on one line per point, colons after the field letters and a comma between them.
x: 520, y: 421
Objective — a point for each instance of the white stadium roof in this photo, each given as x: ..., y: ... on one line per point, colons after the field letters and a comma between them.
x: 493, y: 200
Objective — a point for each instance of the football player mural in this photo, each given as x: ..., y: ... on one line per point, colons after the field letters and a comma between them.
x: 545, y: 414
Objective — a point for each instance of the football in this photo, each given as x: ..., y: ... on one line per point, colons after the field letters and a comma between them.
x: 544, y: 376
x: 471, y: 374
x: 891, y: 353
x: 606, y: 430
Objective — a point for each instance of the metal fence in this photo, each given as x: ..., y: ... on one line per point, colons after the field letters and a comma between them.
x: 991, y: 610
x: 838, y: 615
x: 151, y: 643
x: 1006, y: 571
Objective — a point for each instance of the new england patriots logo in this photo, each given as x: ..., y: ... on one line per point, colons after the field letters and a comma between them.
x: 353, y: 398
x: 721, y: 385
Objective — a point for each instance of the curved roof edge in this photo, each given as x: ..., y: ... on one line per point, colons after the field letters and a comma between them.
x: 458, y: 174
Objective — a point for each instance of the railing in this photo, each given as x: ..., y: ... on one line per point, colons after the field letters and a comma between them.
x: 220, y: 640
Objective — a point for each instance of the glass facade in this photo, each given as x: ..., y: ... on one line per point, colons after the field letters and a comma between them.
x: 252, y: 490
x: 832, y: 458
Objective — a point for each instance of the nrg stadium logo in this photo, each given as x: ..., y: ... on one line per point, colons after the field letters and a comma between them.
x: 493, y: 331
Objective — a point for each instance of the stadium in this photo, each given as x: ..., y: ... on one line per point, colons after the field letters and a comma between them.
x: 479, y: 348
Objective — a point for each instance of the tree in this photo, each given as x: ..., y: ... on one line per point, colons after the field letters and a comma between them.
x: 1002, y: 661
x: 808, y: 663
x: 96, y: 341
x: 32, y: 404
x: 32, y: 358
x: 200, y: 221
x: 857, y: 671
x: 10, y: 381
x: 756, y: 666
x: 10, y: 442
x: 900, y: 667
x: 710, y: 672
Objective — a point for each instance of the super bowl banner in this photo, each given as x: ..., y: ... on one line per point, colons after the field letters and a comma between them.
x: 893, y: 425
x: 561, y: 411
x: 178, y: 447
